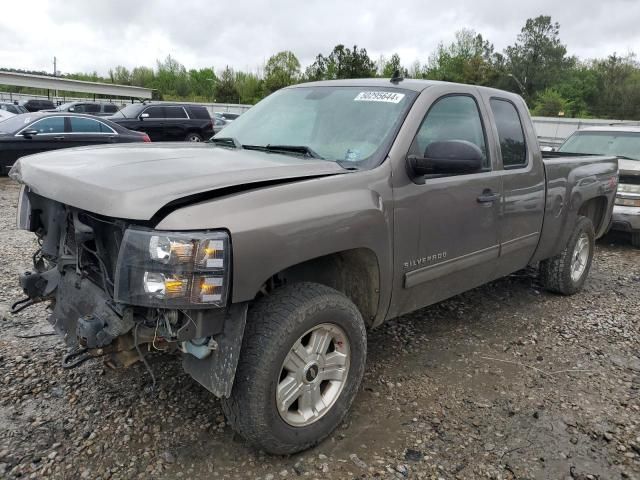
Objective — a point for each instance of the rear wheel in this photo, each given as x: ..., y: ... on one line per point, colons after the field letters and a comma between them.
x: 193, y: 137
x: 302, y: 361
x: 635, y: 239
x: 566, y: 272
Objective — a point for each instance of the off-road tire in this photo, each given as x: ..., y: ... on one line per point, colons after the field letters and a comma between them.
x: 635, y: 239
x: 191, y: 137
x: 274, y: 323
x: 555, y: 272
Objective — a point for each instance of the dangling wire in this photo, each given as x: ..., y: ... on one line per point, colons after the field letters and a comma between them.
x: 144, y: 360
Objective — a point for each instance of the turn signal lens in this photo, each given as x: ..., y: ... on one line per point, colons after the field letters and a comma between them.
x: 627, y: 202
x: 210, y: 289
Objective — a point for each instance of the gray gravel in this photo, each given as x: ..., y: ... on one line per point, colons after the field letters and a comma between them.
x: 503, y: 382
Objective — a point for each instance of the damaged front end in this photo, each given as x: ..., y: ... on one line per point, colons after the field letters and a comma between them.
x: 115, y: 289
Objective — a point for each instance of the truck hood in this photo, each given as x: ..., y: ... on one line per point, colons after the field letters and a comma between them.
x: 134, y: 181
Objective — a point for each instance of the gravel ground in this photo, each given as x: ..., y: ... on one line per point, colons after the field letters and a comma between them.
x: 503, y: 382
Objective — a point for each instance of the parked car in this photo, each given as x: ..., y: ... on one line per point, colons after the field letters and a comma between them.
x: 4, y: 115
x: 35, y: 105
x: 227, y: 116
x: 328, y: 208
x: 219, y: 124
x: 30, y: 133
x: 624, y: 142
x: 92, y: 108
x: 167, y: 122
x: 12, y: 108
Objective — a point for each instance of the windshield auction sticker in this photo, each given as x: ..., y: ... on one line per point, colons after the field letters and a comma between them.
x: 389, y: 97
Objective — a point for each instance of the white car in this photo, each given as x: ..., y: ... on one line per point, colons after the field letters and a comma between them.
x: 4, y: 115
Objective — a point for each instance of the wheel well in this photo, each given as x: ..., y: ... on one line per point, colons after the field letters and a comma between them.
x: 594, y: 209
x: 355, y: 273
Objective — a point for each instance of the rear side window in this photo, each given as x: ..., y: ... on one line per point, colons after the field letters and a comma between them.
x: 92, y: 108
x: 510, y: 133
x: 51, y: 125
x: 110, y: 109
x: 87, y: 125
x: 454, y: 117
x: 201, y: 113
x: 155, y: 112
x: 175, y: 112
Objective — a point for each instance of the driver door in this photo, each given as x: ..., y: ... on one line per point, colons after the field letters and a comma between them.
x: 446, y: 226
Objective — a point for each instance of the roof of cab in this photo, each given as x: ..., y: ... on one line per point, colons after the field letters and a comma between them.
x: 406, y: 83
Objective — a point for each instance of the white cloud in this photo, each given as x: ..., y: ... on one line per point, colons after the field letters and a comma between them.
x: 88, y: 36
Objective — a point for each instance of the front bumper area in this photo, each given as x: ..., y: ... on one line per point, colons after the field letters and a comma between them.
x: 84, y: 315
x: 626, y: 219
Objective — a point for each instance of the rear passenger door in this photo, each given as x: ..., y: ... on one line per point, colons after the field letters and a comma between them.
x: 521, y: 171
x: 87, y: 131
x: 446, y: 226
x: 152, y: 120
x: 176, y: 123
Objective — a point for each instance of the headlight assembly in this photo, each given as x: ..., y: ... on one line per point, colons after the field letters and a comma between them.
x: 173, y: 269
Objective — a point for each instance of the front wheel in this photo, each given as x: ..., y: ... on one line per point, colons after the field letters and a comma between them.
x: 566, y: 272
x: 635, y: 239
x: 301, y: 364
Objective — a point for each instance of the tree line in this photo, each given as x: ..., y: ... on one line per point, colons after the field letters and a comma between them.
x: 536, y: 65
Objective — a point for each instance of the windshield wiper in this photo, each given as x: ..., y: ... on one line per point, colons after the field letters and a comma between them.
x: 297, y: 149
x: 230, y: 141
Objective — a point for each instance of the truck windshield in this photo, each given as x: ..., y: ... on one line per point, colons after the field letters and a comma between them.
x: 623, y: 144
x: 349, y: 125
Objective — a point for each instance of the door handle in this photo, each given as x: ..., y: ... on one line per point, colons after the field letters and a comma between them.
x: 488, y: 197
x: 59, y: 138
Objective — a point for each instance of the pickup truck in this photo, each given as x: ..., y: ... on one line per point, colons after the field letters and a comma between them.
x: 624, y: 142
x: 264, y: 256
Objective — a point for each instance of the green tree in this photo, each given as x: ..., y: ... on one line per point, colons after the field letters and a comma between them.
x: 120, y: 75
x: 389, y: 67
x: 281, y: 70
x: 550, y: 104
x: 469, y: 59
x: 226, y: 88
x: 341, y: 63
x: 249, y: 87
x: 142, y: 77
x: 202, y: 84
x: 618, y: 85
x: 538, y: 58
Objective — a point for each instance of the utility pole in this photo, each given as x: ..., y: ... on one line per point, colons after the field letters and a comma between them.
x: 55, y: 72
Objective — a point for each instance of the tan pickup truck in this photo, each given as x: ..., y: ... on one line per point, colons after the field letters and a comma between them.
x: 266, y: 254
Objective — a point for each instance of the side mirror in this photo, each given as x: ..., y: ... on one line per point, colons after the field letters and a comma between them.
x: 72, y: 109
x: 143, y: 116
x: 29, y: 133
x: 447, y: 157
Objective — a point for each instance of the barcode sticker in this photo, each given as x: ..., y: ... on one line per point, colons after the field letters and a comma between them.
x: 389, y: 97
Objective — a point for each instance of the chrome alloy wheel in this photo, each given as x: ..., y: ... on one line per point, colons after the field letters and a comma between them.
x: 195, y: 138
x: 580, y: 257
x: 313, y: 375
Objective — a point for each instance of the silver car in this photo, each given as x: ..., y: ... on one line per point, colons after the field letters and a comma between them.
x: 623, y: 141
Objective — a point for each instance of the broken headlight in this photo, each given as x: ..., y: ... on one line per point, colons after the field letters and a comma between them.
x: 173, y: 269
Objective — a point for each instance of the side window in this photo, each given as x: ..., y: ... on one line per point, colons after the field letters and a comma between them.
x: 510, y: 133
x: 51, y: 125
x: 79, y: 108
x: 110, y: 109
x: 155, y: 112
x: 198, y: 112
x: 87, y: 125
x: 92, y: 108
x: 454, y: 117
x: 175, y: 112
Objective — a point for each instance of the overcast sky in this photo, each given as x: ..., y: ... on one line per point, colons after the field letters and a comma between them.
x: 96, y: 35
